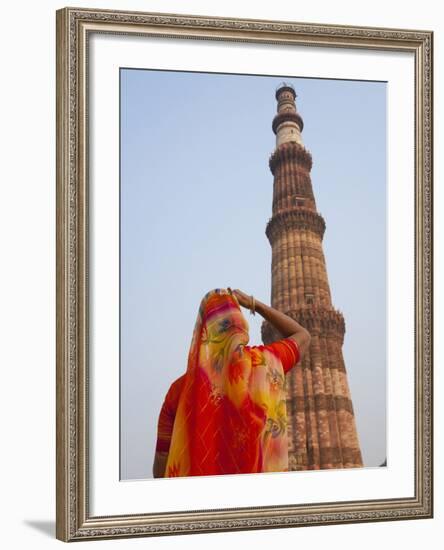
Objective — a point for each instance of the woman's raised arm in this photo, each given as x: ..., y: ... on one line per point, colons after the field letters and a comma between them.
x: 288, y: 327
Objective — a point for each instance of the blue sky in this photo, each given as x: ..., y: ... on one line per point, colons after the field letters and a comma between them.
x: 196, y: 195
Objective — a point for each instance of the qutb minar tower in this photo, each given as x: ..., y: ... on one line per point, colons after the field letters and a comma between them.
x: 321, y: 423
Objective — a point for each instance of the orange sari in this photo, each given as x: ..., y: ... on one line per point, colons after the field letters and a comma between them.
x: 227, y: 413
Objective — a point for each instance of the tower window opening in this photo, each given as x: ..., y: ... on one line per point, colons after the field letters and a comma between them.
x: 309, y: 298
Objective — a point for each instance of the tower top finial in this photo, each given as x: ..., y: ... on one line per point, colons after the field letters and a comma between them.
x: 285, y: 87
x: 287, y: 124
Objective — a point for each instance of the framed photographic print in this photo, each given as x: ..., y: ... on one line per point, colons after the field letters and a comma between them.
x: 244, y: 274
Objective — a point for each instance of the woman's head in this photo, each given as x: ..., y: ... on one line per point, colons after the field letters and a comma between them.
x: 222, y: 316
x: 220, y: 330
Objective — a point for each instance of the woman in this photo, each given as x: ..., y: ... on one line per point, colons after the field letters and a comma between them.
x: 227, y: 413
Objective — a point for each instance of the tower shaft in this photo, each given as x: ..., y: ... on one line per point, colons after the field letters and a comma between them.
x: 321, y: 422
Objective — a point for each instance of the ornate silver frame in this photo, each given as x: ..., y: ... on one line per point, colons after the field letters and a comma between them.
x: 73, y: 521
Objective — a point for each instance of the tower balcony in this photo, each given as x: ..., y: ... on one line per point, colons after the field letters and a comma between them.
x: 297, y: 219
x: 287, y: 116
x: 316, y: 319
x: 293, y: 153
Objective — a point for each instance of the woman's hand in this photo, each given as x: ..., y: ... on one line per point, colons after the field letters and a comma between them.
x: 243, y: 299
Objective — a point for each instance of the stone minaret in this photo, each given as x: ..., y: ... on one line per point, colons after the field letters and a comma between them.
x: 321, y: 423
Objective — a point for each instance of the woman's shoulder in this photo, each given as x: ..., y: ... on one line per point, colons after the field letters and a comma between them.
x: 179, y: 381
x: 257, y: 354
x: 284, y: 343
x: 176, y: 387
x: 285, y: 350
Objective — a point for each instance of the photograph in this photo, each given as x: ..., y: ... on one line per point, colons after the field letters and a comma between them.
x: 253, y: 310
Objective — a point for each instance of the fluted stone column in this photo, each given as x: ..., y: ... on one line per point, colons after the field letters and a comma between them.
x: 321, y: 423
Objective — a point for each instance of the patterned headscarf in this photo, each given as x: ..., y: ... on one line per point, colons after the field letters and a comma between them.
x: 222, y: 409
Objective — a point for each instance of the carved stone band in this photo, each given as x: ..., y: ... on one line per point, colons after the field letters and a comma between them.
x: 295, y: 219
